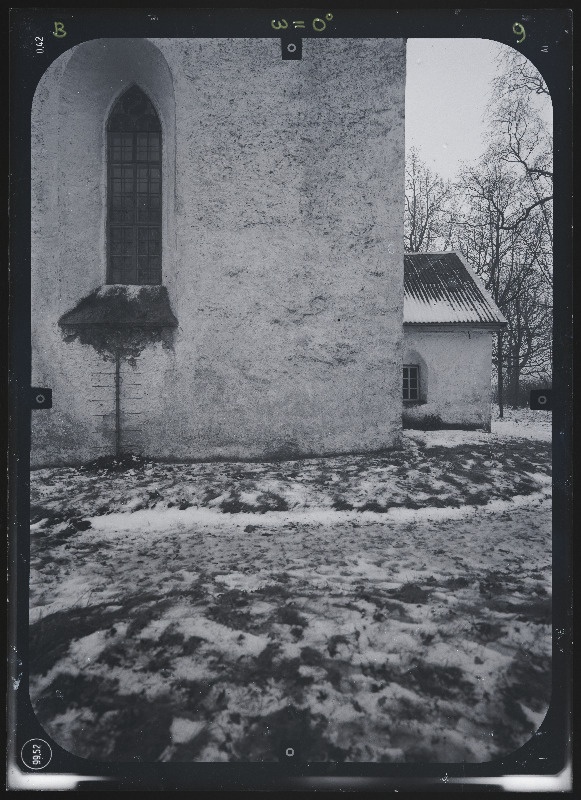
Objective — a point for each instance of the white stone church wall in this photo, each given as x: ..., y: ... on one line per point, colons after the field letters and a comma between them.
x: 282, y: 246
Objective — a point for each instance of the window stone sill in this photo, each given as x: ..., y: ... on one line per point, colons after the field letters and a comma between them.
x: 120, y: 305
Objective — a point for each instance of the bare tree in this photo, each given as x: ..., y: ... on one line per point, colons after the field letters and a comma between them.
x: 426, y: 200
x: 509, y: 250
x: 519, y: 135
x: 528, y: 339
x: 517, y: 75
x: 499, y: 215
x: 481, y: 235
x: 521, y: 138
x: 506, y: 226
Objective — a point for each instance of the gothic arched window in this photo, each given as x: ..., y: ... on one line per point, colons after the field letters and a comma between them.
x: 134, y: 190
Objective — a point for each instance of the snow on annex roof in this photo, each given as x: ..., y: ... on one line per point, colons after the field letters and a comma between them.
x: 440, y: 288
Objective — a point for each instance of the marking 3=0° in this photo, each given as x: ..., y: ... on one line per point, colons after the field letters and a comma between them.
x: 317, y: 23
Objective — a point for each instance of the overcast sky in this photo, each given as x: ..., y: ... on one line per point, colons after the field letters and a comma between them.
x: 447, y: 89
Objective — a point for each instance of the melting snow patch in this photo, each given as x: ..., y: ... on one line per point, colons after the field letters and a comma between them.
x: 245, y: 582
x: 446, y: 438
x: 522, y: 423
x: 185, y: 669
x: 85, y: 650
x: 222, y: 637
x: 148, y: 521
x: 154, y: 630
x: 536, y: 717
x: 184, y: 730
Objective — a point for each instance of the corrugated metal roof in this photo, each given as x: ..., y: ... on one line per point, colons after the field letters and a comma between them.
x: 441, y: 288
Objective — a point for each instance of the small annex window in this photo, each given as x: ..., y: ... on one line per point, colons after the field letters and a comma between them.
x: 411, y: 382
x: 134, y: 191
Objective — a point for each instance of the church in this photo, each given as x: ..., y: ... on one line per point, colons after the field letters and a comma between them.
x: 217, y: 252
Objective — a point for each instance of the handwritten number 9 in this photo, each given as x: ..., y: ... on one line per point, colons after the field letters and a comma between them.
x: 518, y: 29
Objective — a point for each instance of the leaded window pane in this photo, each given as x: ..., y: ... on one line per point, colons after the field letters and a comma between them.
x: 134, y: 190
x: 411, y: 383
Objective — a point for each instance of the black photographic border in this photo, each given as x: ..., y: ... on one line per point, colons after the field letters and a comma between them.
x: 547, y: 752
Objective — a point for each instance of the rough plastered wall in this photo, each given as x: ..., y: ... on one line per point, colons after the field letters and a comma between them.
x: 68, y: 248
x: 282, y: 246
x: 455, y: 377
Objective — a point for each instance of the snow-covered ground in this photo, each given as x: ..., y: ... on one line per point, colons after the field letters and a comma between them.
x: 393, y: 607
x: 516, y: 423
x: 522, y: 422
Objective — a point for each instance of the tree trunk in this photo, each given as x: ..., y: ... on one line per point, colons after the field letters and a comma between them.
x: 117, y: 404
x: 515, y: 385
x: 500, y: 378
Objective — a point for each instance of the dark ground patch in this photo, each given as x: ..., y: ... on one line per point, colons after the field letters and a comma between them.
x: 412, y: 593
x: 268, y: 738
x: 476, y: 473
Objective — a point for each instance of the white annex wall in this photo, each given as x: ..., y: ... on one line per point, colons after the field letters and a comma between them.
x: 455, y: 376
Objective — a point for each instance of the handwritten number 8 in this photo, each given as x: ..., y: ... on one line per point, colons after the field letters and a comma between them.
x: 518, y: 29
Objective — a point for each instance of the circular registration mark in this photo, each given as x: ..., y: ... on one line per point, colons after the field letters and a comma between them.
x: 36, y: 754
